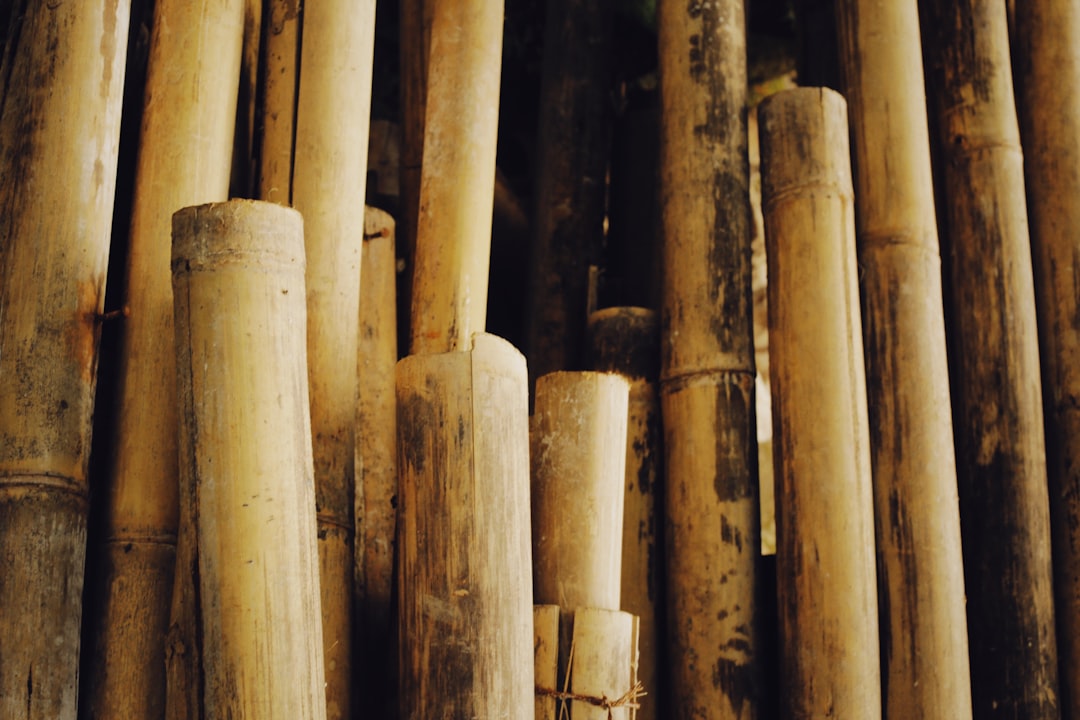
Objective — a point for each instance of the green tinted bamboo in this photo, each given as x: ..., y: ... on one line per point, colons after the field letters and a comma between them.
x: 825, y: 524
x: 1047, y: 57
x: 924, y: 631
x: 463, y: 534
x: 246, y: 465
x: 276, y: 126
x: 994, y: 362
x: 63, y: 77
x: 546, y: 659
x: 707, y: 362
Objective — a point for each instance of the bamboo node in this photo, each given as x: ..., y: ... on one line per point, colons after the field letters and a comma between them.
x: 628, y: 699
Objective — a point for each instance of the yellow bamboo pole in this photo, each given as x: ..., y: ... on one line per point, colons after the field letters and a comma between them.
x: 63, y: 77
x: 603, y: 664
x: 924, y: 630
x: 546, y: 659
x: 276, y: 126
x: 825, y: 529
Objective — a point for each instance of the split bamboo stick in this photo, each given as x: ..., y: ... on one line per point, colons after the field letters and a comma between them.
x: 712, y: 521
x: 825, y: 529
x: 246, y: 469
x: 994, y: 362
x: 924, y: 630
x: 546, y: 659
x: 63, y: 77
x: 463, y: 534
x: 457, y: 184
x: 184, y: 159
x: 1047, y: 57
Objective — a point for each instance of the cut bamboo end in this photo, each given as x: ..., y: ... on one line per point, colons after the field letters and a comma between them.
x: 825, y: 530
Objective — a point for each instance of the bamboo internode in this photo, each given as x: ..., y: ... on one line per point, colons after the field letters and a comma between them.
x: 825, y: 530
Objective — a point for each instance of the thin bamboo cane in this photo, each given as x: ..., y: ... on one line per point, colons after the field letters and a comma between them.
x: 281, y: 78
x: 184, y: 159
x: 825, y: 529
x: 994, y: 362
x: 546, y: 658
x: 63, y: 78
x: 712, y: 521
x: 1047, y: 57
x: 453, y: 233
x: 924, y: 632
x: 246, y: 464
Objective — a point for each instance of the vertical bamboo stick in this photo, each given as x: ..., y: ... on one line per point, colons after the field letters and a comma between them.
x: 245, y: 150
x: 924, y: 631
x: 994, y: 362
x: 457, y: 184
x: 281, y: 77
x: 605, y: 656
x: 1047, y: 57
x: 246, y: 465
x: 463, y: 534
x: 825, y: 530
x: 546, y: 659
x: 184, y: 159
x: 707, y: 362
x: 63, y: 78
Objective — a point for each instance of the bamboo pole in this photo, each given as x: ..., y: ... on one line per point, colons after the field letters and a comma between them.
x: 825, y: 530
x: 1047, y: 57
x: 457, y: 184
x: 463, y: 534
x: 246, y: 465
x: 184, y: 159
x: 626, y: 340
x: 245, y: 170
x: 994, y: 362
x: 276, y: 126
x: 63, y: 78
x: 924, y: 632
x: 712, y: 523
x: 546, y: 659
x: 603, y: 665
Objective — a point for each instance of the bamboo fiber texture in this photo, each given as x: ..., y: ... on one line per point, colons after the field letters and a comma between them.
x: 921, y: 580
x: 184, y: 159
x: 463, y: 534
x: 994, y: 362
x: 246, y: 473
x: 825, y: 528
x: 1047, y: 59
x: 707, y: 362
x: 63, y: 76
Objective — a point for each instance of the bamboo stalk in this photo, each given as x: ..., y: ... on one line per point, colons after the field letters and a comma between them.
x: 1047, y: 57
x: 712, y: 522
x: 994, y: 362
x: 546, y: 659
x: 463, y: 534
x: 825, y: 531
x: 604, y: 660
x: 281, y: 79
x: 63, y: 78
x: 453, y: 232
x: 924, y: 634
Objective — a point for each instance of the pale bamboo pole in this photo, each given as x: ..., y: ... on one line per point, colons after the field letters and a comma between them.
x: 829, y: 663
x: 184, y: 159
x: 994, y: 362
x: 604, y: 663
x: 246, y: 465
x: 463, y: 534
x: 1047, y: 57
x: 712, y: 521
x: 63, y: 70
x: 276, y: 126
x: 924, y: 628
x: 546, y: 659
x: 457, y: 180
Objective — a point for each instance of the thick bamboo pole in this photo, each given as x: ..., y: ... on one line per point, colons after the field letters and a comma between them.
x: 457, y: 184
x: 994, y: 362
x: 707, y: 362
x: 825, y: 528
x: 463, y: 534
x: 184, y: 159
x: 924, y: 630
x: 63, y: 78
x: 1047, y: 58
x: 246, y: 465
x: 603, y: 665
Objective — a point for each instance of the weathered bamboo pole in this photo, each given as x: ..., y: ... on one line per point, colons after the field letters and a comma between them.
x: 924, y: 629
x: 184, y: 159
x: 463, y: 534
x: 276, y: 126
x: 246, y: 465
x: 546, y: 659
x: 457, y: 184
x: 712, y: 524
x: 63, y: 79
x: 994, y: 361
x: 627, y: 340
x: 829, y: 664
